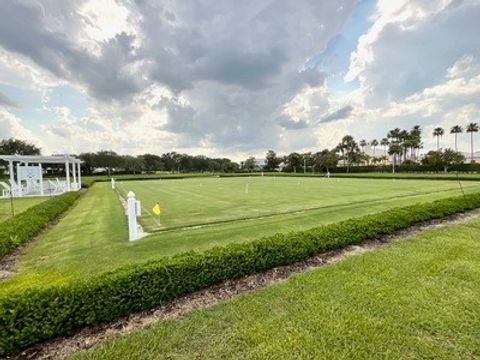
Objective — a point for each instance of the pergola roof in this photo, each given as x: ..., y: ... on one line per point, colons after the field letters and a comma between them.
x: 39, y: 159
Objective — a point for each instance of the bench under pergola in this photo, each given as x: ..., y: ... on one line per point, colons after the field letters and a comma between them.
x: 26, y: 175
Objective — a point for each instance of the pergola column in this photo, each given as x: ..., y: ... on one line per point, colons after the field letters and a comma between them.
x: 79, y: 176
x: 19, y: 184
x: 10, y: 170
x: 41, y: 178
x: 74, y: 170
x: 67, y: 173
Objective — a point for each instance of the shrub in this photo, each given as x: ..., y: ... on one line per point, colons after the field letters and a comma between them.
x: 36, y: 314
x: 27, y: 224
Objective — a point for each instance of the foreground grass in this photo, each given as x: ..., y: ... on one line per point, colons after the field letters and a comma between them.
x: 19, y: 204
x: 414, y: 299
x: 92, y: 237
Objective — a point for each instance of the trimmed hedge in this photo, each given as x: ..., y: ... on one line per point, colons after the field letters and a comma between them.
x: 32, y: 315
x: 27, y: 224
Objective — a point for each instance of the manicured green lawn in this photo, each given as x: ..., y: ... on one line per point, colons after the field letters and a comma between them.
x: 19, y: 205
x: 388, y: 175
x: 92, y: 237
x: 203, y: 201
x: 416, y: 299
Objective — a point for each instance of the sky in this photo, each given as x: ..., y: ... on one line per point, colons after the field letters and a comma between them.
x: 234, y: 78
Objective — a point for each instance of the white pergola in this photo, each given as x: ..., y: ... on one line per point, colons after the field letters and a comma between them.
x: 29, y: 175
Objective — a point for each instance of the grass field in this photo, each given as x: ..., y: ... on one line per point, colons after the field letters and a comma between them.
x: 20, y: 204
x: 92, y: 236
x: 433, y: 176
x: 204, y: 201
x: 417, y: 299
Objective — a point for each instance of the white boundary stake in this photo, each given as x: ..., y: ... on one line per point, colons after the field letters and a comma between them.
x: 113, y: 183
x: 133, y: 210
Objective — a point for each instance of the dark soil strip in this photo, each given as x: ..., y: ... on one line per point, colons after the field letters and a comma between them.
x: 90, y: 336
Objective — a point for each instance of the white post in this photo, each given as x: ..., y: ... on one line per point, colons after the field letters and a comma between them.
x: 74, y: 170
x: 67, y: 173
x: 79, y: 176
x: 112, y: 180
x: 41, y: 179
x: 132, y: 216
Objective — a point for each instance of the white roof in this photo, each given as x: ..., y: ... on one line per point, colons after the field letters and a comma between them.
x: 39, y: 159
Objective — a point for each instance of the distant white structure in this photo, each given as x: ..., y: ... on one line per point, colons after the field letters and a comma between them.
x: 29, y: 176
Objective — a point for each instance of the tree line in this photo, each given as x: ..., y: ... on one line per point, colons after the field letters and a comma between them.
x: 110, y: 161
x: 402, y: 145
x: 151, y: 163
x: 399, y: 147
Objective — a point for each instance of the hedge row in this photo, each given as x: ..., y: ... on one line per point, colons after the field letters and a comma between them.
x: 27, y: 224
x: 38, y: 314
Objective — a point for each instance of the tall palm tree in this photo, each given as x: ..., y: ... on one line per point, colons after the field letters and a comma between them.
x: 437, y: 132
x: 416, y: 140
x: 374, y: 144
x: 457, y: 129
x: 362, y: 144
x: 384, y: 142
x: 472, y: 128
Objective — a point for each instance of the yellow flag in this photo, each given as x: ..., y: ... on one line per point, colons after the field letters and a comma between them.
x: 156, y: 209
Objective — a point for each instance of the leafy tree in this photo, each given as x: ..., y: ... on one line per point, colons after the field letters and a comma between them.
x: 350, y: 151
x: 293, y: 162
x: 457, y: 129
x: 272, y: 161
x: 472, y: 128
x: 249, y: 164
x: 451, y: 158
x: 152, y: 163
x: 447, y: 158
x: 89, y: 162
x: 326, y: 159
x: 108, y: 160
x: 13, y: 146
x: 132, y: 163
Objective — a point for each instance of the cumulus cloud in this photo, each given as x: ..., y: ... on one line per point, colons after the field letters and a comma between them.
x: 228, y: 70
x: 229, y: 79
x: 7, y: 102
x: 339, y: 114
x: 410, y: 46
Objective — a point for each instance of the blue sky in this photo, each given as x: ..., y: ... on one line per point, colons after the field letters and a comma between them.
x: 230, y: 80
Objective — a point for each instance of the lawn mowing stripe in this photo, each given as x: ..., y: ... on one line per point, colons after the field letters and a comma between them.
x: 296, y: 211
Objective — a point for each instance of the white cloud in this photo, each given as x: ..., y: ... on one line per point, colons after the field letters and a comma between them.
x: 12, y: 126
x: 224, y: 79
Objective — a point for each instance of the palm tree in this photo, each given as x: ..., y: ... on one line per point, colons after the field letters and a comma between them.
x: 457, y: 129
x: 415, y: 141
x: 374, y: 144
x: 471, y: 128
x: 384, y: 142
x: 362, y: 144
x: 437, y: 132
